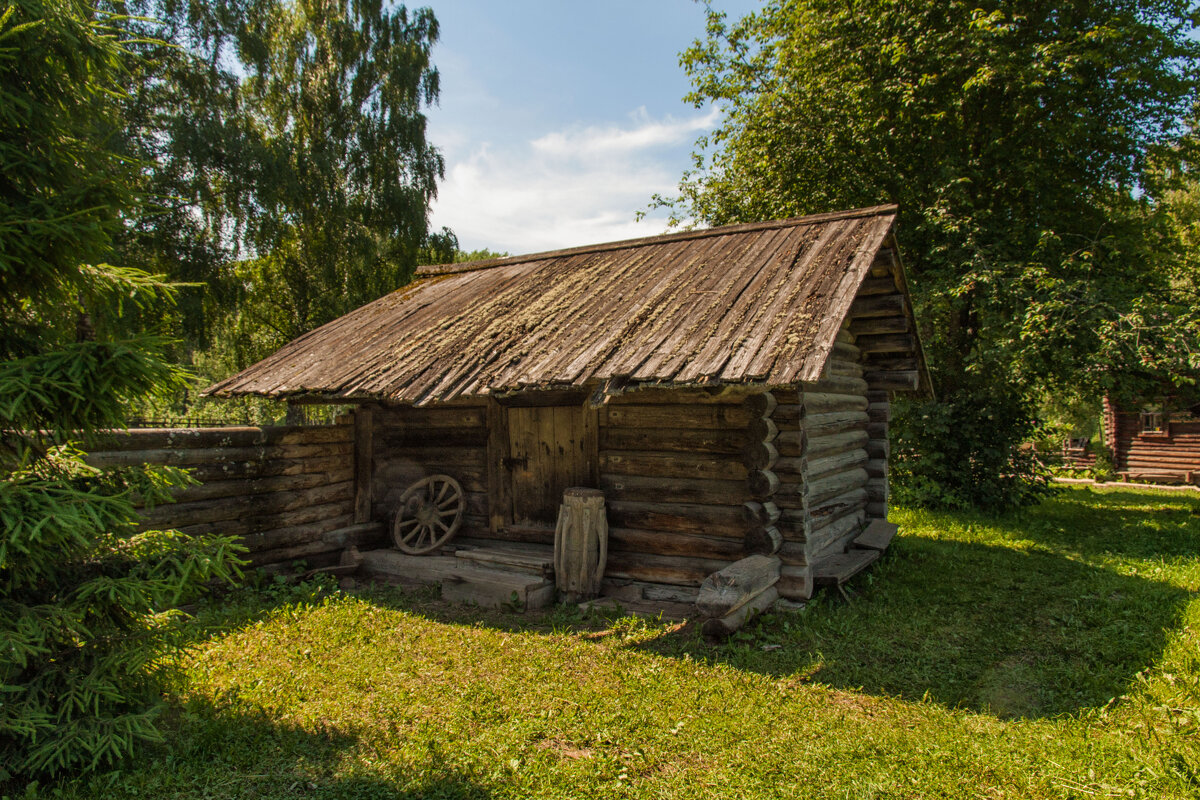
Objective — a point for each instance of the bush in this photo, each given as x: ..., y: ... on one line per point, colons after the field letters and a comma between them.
x: 966, y: 451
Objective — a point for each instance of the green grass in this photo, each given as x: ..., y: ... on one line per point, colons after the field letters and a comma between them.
x: 1050, y: 653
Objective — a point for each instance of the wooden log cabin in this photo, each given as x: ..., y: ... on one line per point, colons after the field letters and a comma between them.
x: 727, y: 389
x: 1154, y: 441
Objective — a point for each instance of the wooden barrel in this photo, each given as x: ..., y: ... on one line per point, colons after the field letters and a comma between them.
x: 580, y: 544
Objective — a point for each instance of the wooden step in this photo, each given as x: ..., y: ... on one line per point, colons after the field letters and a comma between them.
x: 638, y: 591
x: 877, y: 536
x: 664, y: 610
x: 494, y: 588
x: 836, y: 569
x: 396, y: 567
x: 461, y: 582
x: 538, y: 563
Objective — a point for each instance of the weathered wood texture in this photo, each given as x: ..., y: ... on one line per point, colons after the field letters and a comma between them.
x: 676, y: 481
x: 413, y: 443
x: 277, y: 488
x: 759, y: 301
x: 1172, y: 456
x: 729, y: 589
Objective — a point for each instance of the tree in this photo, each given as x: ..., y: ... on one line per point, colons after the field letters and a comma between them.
x: 287, y: 146
x: 1013, y: 136
x: 84, y: 594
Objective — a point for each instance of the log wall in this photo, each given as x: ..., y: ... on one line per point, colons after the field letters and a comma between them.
x: 822, y: 467
x: 412, y: 443
x: 673, y: 471
x: 1172, y: 456
x: 277, y: 488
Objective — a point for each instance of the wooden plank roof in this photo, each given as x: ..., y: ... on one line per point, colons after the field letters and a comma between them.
x: 751, y: 303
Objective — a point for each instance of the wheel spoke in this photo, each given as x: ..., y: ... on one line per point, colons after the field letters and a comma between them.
x: 442, y: 493
x: 409, y: 521
x: 447, y: 512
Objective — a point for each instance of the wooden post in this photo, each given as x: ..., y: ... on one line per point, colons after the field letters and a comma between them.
x: 580, y: 544
x: 498, y: 486
x: 364, y: 463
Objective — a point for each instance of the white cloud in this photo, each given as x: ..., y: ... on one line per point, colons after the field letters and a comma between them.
x: 598, y: 142
x: 565, y: 188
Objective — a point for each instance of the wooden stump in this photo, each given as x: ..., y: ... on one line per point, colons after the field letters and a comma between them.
x: 580, y: 544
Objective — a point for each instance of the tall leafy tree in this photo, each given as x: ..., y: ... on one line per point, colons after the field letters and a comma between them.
x: 290, y: 135
x: 1013, y: 136
x: 84, y: 594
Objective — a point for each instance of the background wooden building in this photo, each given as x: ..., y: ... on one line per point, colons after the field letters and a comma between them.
x: 1155, y: 442
x: 727, y: 389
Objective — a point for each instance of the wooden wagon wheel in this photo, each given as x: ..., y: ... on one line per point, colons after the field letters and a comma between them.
x: 430, y: 513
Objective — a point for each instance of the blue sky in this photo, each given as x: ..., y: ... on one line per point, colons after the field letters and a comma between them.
x: 559, y: 120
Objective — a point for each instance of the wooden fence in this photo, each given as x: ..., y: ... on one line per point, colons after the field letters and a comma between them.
x: 281, y: 489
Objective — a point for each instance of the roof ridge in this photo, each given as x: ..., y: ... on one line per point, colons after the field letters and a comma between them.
x: 437, y: 270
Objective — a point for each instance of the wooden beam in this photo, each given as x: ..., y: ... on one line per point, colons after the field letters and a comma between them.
x: 888, y: 343
x: 890, y: 305
x: 499, y: 490
x: 868, y: 326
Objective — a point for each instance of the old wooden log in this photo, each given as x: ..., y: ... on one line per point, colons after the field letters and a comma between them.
x: 676, y: 440
x: 844, y: 351
x: 906, y: 381
x: 879, y: 325
x: 833, y: 422
x: 680, y: 416
x: 216, y: 455
x: 888, y: 343
x: 765, y: 513
x: 760, y: 455
x: 880, y: 412
x: 731, y: 587
x: 364, y: 462
x: 580, y: 543
x: 832, y: 485
x: 762, y: 483
x: 835, y: 385
x: 819, y: 467
x: 762, y: 430
x: 763, y: 540
x: 673, y: 570
x: 727, y: 625
x: 823, y: 403
x: 761, y: 404
x: 876, y: 286
x: 827, y: 445
x: 835, y: 508
x: 645, y: 488
x: 694, y: 518
x: 878, y: 306
x: 660, y: 543
x: 673, y: 465
x: 795, y: 582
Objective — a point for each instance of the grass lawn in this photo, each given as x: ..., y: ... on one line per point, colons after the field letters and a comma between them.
x: 1053, y: 652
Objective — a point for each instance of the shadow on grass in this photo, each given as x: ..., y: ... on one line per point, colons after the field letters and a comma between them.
x: 1018, y: 634
x: 1047, y: 611
x: 226, y: 753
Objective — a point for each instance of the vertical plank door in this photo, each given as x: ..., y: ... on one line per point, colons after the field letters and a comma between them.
x: 548, y: 452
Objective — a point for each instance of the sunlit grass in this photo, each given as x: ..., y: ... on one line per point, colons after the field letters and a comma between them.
x: 1049, y: 653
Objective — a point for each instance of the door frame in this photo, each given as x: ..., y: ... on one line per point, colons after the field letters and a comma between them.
x: 500, y: 506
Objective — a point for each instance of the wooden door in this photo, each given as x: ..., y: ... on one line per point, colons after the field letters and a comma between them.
x: 550, y: 448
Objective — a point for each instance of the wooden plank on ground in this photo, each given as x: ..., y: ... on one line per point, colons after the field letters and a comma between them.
x: 836, y: 569
x: 877, y: 536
